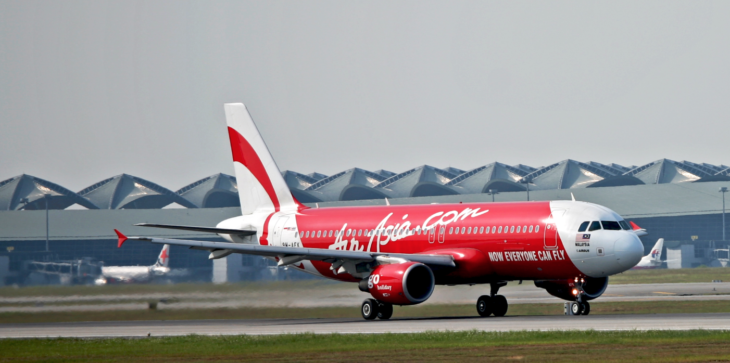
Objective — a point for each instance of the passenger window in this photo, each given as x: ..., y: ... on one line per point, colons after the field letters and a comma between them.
x: 611, y: 225
x: 451, y: 229
x: 481, y: 229
x: 537, y: 229
x: 319, y: 233
x: 595, y: 225
x: 359, y: 232
x: 469, y: 231
x: 500, y: 229
x: 518, y: 229
x: 511, y: 229
x: 530, y: 229
x: 456, y: 231
x: 494, y: 229
x: 583, y: 226
x: 330, y: 234
x: 463, y: 229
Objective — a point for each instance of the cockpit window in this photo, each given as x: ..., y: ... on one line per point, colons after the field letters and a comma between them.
x: 583, y: 226
x: 625, y: 225
x: 611, y: 225
x: 595, y: 225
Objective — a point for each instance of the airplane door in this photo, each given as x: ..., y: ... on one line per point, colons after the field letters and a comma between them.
x: 551, y: 234
x: 442, y: 232
x: 431, y: 235
x: 279, y: 230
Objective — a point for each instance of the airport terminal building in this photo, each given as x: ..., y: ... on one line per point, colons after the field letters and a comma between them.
x: 45, y: 227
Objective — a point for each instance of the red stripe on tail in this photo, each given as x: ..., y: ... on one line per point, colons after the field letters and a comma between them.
x: 246, y: 155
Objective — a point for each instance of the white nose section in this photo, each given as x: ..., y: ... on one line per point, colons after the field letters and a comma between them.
x: 629, y: 250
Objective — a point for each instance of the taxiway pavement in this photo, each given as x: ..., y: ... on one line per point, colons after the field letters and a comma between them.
x: 719, y: 321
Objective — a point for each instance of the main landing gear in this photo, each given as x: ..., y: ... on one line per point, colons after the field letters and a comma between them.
x: 493, y: 304
x: 372, y: 309
x: 577, y: 307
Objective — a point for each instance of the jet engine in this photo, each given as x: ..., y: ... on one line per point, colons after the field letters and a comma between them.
x: 407, y: 283
x: 592, y: 288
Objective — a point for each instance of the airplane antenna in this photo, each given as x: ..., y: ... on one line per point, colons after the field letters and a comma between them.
x: 387, y: 202
x: 572, y: 197
x: 317, y: 204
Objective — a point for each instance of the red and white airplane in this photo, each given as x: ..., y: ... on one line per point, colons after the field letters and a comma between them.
x: 136, y: 274
x: 399, y: 253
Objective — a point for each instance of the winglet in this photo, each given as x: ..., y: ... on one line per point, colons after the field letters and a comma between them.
x: 122, y: 238
x: 634, y: 226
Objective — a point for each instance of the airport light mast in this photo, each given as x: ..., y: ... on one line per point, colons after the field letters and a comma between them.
x: 527, y: 185
x: 723, y: 190
x: 493, y: 192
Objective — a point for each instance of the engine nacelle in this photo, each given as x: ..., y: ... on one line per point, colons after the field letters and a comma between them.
x: 592, y: 288
x: 407, y: 283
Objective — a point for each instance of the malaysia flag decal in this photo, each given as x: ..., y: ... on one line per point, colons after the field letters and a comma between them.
x: 583, y: 237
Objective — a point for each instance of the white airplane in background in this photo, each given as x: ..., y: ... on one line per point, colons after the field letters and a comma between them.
x: 131, y: 274
x: 653, y: 259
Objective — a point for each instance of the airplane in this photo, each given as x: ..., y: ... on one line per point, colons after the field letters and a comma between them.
x: 136, y: 274
x: 399, y: 253
x: 653, y: 259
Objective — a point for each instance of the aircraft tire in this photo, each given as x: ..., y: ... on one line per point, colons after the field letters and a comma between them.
x: 586, y: 308
x: 369, y: 309
x: 385, y: 311
x: 485, y: 305
x: 499, y: 305
x: 576, y: 308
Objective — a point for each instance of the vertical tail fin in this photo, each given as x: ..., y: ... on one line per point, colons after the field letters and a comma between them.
x: 261, y: 188
x: 656, y: 251
x: 164, y: 258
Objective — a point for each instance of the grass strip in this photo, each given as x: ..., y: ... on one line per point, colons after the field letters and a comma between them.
x: 666, y: 276
x: 429, y: 310
x: 623, y: 346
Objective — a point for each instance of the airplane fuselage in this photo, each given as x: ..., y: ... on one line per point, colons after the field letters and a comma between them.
x: 498, y: 241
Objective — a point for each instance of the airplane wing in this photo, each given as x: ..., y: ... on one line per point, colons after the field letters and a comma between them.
x: 293, y: 253
x: 240, y: 232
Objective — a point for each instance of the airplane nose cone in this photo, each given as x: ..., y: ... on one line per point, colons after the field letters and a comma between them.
x: 629, y: 250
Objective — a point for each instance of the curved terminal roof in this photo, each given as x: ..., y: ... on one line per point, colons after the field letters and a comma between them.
x: 299, y: 181
x: 130, y: 192
x: 568, y: 174
x: 384, y: 173
x: 26, y: 192
x: 351, y: 184
x: 665, y: 171
x: 216, y: 191
x: 491, y: 176
x: 317, y: 176
x: 422, y: 181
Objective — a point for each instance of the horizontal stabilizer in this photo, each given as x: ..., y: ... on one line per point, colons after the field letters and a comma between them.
x: 238, y: 232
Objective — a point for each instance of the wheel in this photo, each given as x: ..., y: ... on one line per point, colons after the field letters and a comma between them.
x: 586, y: 308
x: 499, y: 305
x: 484, y: 305
x: 385, y: 311
x: 575, y: 308
x: 369, y: 309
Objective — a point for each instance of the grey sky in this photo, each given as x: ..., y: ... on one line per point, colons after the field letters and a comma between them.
x: 91, y: 89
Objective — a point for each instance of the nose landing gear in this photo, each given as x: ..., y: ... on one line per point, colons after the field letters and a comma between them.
x: 493, y: 304
x: 577, y: 307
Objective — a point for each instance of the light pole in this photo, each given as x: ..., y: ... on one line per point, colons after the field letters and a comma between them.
x: 723, y: 190
x: 45, y: 197
x: 527, y: 185
x: 493, y: 192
